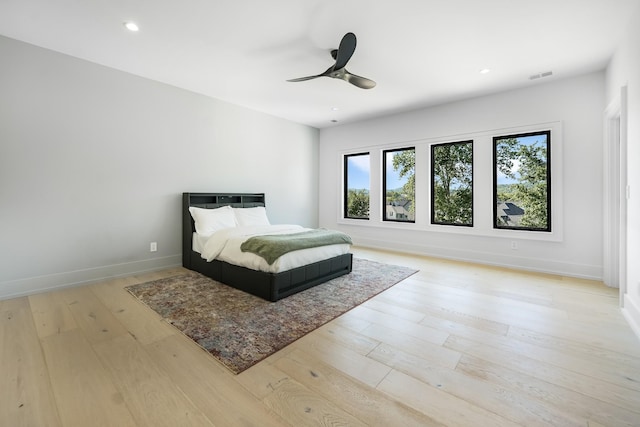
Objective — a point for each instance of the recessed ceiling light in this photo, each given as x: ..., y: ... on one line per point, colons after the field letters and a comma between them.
x: 335, y: 108
x: 485, y: 71
x: 131, y: 26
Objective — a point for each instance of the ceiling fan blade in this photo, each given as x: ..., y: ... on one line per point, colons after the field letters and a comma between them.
x: 345, y: 51
x: 302, y: 79
x: 361, y: 82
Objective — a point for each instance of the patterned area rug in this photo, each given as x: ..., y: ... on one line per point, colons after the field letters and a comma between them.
x: 240, y: 329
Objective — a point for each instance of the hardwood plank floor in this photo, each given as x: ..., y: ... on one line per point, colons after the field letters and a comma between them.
x: 456, y: 344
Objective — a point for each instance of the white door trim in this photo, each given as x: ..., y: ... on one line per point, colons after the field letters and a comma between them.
x: 615, y: 194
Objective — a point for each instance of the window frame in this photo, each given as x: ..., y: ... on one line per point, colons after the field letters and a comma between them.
x: 433, y: 147
x: 549, y: 216
x: 346, y: 186
x: 384, y: 186
x: 483, y: 184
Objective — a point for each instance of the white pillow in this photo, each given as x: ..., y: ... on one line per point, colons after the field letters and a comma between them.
x: 251, y: 216
x: 208, y: 221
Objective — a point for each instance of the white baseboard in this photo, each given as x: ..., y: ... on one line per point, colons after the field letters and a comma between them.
x: 34, y: 285
x: 548, y: 266
x: 631, y: 312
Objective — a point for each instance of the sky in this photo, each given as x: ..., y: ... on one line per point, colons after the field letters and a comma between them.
x: 360, y: 170
x: 393, y: 179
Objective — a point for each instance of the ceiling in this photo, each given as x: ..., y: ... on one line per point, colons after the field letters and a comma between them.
x: 420, y: 52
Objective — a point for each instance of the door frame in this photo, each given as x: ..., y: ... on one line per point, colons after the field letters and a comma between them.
x: 615, y: 194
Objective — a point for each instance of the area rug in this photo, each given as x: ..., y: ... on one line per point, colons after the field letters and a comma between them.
x: 240, y: 329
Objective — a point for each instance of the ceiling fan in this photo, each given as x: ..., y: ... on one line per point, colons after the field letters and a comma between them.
x: 338, y: 70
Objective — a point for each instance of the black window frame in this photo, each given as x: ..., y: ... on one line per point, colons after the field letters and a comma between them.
x: 384, y: 185
x: 496, y: 140
x: 433, y: 184
x: 346, y: 187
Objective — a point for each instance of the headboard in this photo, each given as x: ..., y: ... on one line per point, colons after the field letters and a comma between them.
x: 211, y: 201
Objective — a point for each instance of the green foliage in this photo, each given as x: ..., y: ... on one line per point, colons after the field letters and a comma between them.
x: 357, y: 203
x: 404, y: 162
x: 530, y: 190
x: 394, y: 196
x: 453, y: 183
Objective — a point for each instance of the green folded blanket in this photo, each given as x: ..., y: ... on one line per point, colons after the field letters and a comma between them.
x: 271, y: 247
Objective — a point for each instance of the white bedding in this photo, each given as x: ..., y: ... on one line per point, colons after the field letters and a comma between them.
x: 224, y: 245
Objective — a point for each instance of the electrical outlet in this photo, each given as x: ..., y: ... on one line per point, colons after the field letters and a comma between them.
x: 153, y: 247
x: 514, y: 245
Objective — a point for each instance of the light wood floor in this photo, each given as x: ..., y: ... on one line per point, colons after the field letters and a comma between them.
x: 454, y: 345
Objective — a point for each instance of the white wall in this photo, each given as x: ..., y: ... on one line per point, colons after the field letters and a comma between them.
x: 93, y: 162
x: 574, y: 106
x: 624, y: 70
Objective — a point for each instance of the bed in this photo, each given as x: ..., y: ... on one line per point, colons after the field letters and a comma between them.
x: 270, y: 285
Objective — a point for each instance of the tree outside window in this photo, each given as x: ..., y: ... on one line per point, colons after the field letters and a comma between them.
x: 452, y: 183
x: 356, y: 186
x: 522, y: 181
x: 399, y: 184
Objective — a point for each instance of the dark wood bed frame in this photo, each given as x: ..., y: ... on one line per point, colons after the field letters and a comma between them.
x: 270, y: 286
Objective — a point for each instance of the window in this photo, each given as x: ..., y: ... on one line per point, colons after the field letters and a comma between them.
x: 399, y: 184
x: 452, y: 183
x: 522, y: 182
x: 356, y: 186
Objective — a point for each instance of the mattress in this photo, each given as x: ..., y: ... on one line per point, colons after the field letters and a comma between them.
x: 224, y: 245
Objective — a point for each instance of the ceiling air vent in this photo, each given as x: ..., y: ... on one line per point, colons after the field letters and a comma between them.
x: 540, y: 75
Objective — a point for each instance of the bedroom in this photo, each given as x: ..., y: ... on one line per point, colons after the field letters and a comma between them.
x: 93, y: 161
x: 105, y: 147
